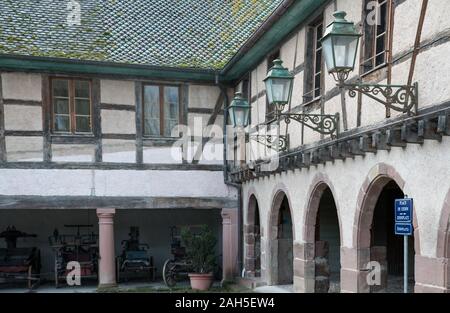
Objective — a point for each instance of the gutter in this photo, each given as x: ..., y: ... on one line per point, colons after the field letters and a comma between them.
x: 228, y: 182
x: 61, y: 65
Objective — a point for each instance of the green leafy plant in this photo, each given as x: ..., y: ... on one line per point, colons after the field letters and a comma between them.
x: 200, y: 247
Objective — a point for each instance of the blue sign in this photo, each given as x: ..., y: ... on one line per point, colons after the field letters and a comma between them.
x: 404, y: 211
x: 403, y: 229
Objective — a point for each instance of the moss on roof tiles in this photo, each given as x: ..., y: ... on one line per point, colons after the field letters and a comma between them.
x: 202, y: 34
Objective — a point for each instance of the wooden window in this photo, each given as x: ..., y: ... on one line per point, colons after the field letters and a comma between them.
x: 71, y: 106
x: 375, y: 34
x: 161, y: 110
x: 270, y: 110
x: 314, y: 71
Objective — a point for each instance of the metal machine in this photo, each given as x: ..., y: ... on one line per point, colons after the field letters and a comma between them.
x: 18, y: 264
x: 176, y: 268
x: 135, y: 259
x: 82, y: 248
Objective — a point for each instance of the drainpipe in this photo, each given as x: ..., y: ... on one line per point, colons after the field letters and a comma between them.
x: 227, y: 181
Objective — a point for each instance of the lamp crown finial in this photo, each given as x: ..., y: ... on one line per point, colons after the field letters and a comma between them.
x: 277, y: 63
x: 340, y: 16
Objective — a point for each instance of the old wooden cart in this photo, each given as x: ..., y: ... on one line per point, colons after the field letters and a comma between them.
x: 19, y: 264
x: 135, y: 260
x: 81, y: 248
x: 176, y: 268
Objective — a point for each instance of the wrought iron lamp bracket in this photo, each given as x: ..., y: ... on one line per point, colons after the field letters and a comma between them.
x: 401, y: 98
x: 321, y: 123
x: 277, y: 143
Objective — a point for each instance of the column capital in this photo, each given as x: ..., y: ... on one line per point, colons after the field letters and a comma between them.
x: 106, y: 212
x: 229, y: 215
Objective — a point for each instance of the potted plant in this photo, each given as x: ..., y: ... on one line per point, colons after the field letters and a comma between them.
x: 200, y: 253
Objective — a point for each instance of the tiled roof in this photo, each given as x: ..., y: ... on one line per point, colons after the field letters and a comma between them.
x: 202, y: 34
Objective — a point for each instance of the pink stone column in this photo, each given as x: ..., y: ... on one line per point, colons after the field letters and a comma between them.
x: 230, y: 244
x: 107, y: 263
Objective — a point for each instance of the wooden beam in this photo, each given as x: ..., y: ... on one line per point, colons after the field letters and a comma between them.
x: 212, y: 119
x: 428, y: 129
x: 110, y: 166
x: 86, y: 202
x: 96, y: 120
x: 410, y: 134
x: 366, y: 145
x: 443, y: 125
x: 138, y: 94
x: 47, y: 114
x: 394, y: 138
x: 2, y: 124
x: 379, y: 141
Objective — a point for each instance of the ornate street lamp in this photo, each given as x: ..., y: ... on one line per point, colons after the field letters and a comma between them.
x: 340, y: 46
x: 279, y: 83
x: 239, y: 111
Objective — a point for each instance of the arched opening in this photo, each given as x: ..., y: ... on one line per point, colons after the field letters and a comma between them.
x: 281, y: 242
x: 386, y: 248
x: 253, y: 240
x: 327, y: 252
x: 285, y: 245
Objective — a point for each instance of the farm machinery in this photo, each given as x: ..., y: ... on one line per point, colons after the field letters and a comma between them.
x: 81, y: 248
x: 135, y: 259
x: 19, y: 264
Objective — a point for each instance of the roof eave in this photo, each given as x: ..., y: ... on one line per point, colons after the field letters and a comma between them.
x: 82, y: 67
x: 288, y: 16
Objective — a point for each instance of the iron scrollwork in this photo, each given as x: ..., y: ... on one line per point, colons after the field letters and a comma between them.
x: 396, y: 97
x: 323, y: 124
x: 277, y: 143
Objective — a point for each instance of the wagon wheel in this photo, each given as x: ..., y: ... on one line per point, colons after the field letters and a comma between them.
x: 30, y: 275
x: 169, y: 274
x: 56, y: 273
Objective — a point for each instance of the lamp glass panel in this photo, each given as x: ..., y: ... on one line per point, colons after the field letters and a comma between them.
x: 281, y: 89
x: 239, y: 115
x: 345, y: 51
x: 327, y: 46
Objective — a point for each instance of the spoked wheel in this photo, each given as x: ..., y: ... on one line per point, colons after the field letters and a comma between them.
x: 169, y: 274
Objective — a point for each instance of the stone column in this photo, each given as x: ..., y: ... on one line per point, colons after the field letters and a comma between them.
x: 304, y: 271
x: 107, y: 262
x: 230, y: 244
x: 354, y: 270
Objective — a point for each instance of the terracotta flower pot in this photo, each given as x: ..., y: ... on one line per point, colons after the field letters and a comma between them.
x: 201, y: 281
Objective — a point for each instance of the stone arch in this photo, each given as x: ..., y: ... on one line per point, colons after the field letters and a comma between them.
x: 443, y: 240
x: 319, y: 185
x: 252, y: 238
x: 378, y: 178
x: 280, y: 266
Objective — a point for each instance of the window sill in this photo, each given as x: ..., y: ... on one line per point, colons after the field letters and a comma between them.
x: 159, y: 141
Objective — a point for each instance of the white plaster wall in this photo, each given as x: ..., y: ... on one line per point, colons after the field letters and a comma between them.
x: 201, y: 96
x: 119, y: 151
x: 24, y: 149
x: 118, y: 122
x: 22, y: 117
x: 111, y: 183
x: 73, y: 153
x: 22, y: 86
x: 117, y: 92
x: 424, y: 168
x: 163, y: 155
